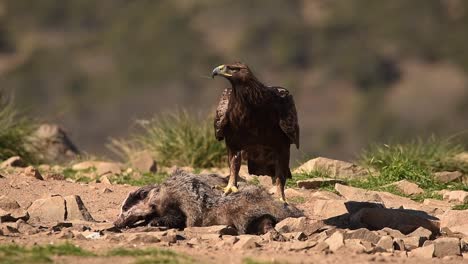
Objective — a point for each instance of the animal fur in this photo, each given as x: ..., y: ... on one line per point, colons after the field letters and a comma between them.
x: 186, y: 200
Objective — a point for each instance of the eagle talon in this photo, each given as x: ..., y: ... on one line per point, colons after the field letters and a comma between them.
x: 283, y: 201
x: 230, y: 189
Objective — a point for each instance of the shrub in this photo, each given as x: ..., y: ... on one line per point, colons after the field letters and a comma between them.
x: 175, y: 139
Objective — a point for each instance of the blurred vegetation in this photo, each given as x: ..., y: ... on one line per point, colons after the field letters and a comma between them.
x: 175, y: 139
x: 14, y: 132
x: 96, y: 65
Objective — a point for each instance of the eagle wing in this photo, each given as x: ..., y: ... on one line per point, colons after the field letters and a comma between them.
x: 221, y: 114
x: 288, y: 116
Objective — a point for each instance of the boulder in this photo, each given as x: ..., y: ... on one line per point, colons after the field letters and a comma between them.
x: 453, y: 218
x: 386, y: 243
x: 76, y: 210
x: 246, y: 242
x: 335, y: 241
x: 407, y: 187
x: 53, y: 144
x: 335, y: 168
x: 442, y: 206
x: 326, y: 195
x: 426, y: 252
x: 13, y: 162
x: 144, y: 162
x: 355, y: 246
x: 50, y: 209
x: 412, y: 242
x: 316, y: 183
x: 447, y: 246
x: 357, y: 194
x: 421, y: 232
x: 379, y: 218
x: 291, y: 224
x: 218, y: 230
x: 456, y: 196
x: 448, y: 176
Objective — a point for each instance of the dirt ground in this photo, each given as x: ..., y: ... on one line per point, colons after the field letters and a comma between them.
x: 105, y: 207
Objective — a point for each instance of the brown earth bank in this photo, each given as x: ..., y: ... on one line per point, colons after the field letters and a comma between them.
x: 349, y: 224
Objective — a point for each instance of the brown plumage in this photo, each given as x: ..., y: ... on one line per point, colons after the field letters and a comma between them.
x: 258, y: 121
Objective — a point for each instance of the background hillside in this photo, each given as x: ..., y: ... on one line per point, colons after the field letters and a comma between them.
x: 360, y: 70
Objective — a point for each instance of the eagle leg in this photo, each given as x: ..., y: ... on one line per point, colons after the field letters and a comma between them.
x: 281, y: 179
x: 234, y: 167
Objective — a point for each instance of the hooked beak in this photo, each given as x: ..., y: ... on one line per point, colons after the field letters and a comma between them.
x: 220, y: 70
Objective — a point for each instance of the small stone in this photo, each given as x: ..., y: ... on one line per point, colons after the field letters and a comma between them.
x: 321, y: 246
x: 291, y: 224
x: 106, y: 190
x: 456, y: 196
x: 30, y: 171
x: 393, y: 233
x: 335, y: 241
x: 246, y: 242
x: 407, y: 187
x: 386, y: 243
x: 421, y: 232
x: 355, y: 246
x: 447, y: 246
x: 412, y: 242
x: 448, y: 176
x: 104, y: 179
x: 13, y: 162
x: 316, y: 183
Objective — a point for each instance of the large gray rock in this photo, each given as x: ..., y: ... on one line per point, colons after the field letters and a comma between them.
x: 53, y: 144
x: 447, y: 246
x: 336, y: 168
x: 50, y: 209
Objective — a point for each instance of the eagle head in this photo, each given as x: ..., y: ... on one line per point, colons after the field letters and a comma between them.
x: 236, y: 71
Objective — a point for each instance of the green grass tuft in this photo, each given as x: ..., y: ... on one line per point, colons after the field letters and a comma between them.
x: 38, y: 254
x: 177, y: 138
x: 306, y: 175
x: 151, y: 255
x: 460, y: 207
x: 145, y: 179
x: 14, y: 132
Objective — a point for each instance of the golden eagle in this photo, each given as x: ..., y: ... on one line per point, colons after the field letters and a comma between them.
x: 258, y: 124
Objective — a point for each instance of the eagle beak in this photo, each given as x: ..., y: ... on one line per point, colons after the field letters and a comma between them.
x: 220, y: 70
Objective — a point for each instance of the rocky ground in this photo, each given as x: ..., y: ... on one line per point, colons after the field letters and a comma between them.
x: 41, y: 207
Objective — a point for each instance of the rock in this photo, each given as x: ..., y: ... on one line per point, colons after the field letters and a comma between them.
x: 7, y: 203
x: 357, y: 194
x: 324, y: 209
x: 393, y: 233
x: 218, y: 230
x: 386, y: 243
x: 321, y: 246
x: 335, y: 241
x: 336, y: 168
x: 295, y: 236
x: 54, y: 176
x: 246, y: 242
x: 426, y: 252
x: 144, y: 162
x: 461, y: 229
x: 316, y: 183
x: 104, y: 179
x: 379, y: 218
x: 355, y: 246
x: 448, y: 176
x: 454, y: 219
x: 442, y: 205
x: 412, y: 242
x: 101, y: 167
x: 13, y: 162
x: 53, y: 144
x: 421, y: 232
x: 170, y: 236
x: 30, y: 171
x: 456, y: 196
x: 146, y: 238
x: 76, y: 210
x: 301, y: 245
x: 362, y: 234
x: 105, y: 190
x: 48, y: 210
x: 463, y: 157
x: 227, y: 241
x: 407, y: 187
x: 291, y: 224
x: 10, y: 210
x: 398, y: 244
x: 447, y: 246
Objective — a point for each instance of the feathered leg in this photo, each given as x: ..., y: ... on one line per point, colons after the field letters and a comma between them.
x: 234, y: 167
x: 281, y: 173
